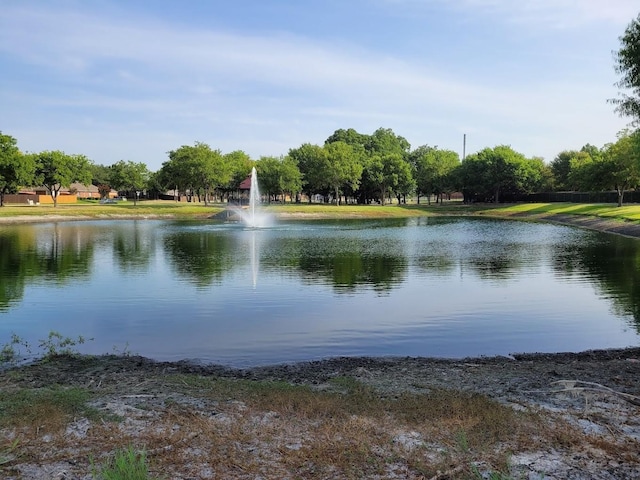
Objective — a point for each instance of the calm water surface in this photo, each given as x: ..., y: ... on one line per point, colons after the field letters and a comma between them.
x: 446, y: 287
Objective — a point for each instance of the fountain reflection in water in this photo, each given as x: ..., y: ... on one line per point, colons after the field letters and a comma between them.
x: 254, y: 218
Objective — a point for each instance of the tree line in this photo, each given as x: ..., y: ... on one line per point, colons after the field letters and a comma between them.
x: 350, y: 167
x: 355, y: 167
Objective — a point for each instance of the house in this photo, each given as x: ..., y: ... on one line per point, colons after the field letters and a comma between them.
x: 40, y: 195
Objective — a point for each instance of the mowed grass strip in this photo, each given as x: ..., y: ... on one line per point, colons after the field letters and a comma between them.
x: 292, y: 211
x: 609, y: 211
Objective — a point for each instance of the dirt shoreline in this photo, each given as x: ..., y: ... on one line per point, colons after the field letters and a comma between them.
x: 603, y: 412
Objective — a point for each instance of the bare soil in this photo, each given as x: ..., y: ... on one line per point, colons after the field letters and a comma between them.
x: 601, y: 416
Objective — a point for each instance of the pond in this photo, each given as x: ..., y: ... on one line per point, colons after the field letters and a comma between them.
x: 216, y: 292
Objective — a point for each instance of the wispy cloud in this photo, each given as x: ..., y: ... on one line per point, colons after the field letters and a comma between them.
x: 545, y: 13
x: 166, y: 82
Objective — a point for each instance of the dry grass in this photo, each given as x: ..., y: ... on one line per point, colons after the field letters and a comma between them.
x: 193, y: 426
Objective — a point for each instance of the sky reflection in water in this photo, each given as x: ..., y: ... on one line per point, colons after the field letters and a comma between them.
x: 305, y: 290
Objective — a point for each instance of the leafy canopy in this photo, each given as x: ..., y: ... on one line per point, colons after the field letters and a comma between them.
x: 627, y: 64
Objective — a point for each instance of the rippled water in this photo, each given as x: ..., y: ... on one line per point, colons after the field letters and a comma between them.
x: 447, y: 287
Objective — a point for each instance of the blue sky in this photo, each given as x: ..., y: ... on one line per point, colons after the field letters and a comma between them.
x: 132, y: 80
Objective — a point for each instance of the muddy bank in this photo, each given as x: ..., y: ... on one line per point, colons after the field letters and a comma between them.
x: 519, y: 377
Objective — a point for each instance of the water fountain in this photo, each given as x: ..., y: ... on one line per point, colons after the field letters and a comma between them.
x: 254, y: 199
x: 252, y: 216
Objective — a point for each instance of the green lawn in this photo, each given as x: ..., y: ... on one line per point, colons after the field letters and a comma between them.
x: 185, y: 210
x: 87, y: 208
x: 624, y: 213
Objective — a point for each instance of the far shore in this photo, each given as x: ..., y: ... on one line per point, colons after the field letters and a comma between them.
x: 605, y: 218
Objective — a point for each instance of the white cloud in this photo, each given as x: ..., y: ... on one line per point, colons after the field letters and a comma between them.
x: 550, y: 13
x: 156, y: 85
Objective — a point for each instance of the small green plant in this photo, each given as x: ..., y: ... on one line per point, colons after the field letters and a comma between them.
x: 56, y: 345
x: 7, y: 454
x: 462, y: 441
x: 11, y: 351
x: 122, y: 352
x: 127, y: 464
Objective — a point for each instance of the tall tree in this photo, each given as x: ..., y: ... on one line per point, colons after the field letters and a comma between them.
x: 99, y: 174
x: 583, y: 175
x: 311, y: 161
x: 196, y: 168
x: 385, y: 142
x: 343, y: 167
x: 130, y: 176
x: 210, y: 169
x: 561, y: 168
x: 15, y: 169
x: 269, y: 177
x: 240, y: 165
x: 56, y: 170
x: 627, y: 64
x: 389, y: 174
x: 620, y: 166
x: 491, y: 172
x: 290, y: 178
x: 432, y: 169
x: 534, y: 175
x: 349, y: 136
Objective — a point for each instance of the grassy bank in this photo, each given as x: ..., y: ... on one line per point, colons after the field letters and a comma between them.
x: 626, y: 213
x: 93, y: 209
x: 170, y: 209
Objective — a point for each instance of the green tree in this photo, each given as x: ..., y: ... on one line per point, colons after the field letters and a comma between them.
x: 389, y: 174
x: 350, y: 137
x: 56, y: 170
x: 100, y: 174
x: 311, y: 161
x: 492, y: 172
x: 279, y: 177
x: 154, y: 185
x: 620, y: 166
x: 433, y: 170
x: 240, y: 165
x: 270, y: 177
x: 583, y: 173
x: 534, y: 175
x: 594, y: 152
x: 15, y: 169
x: 290, y: 177
x: 561, y: 168
x: 343, y: 167
x: 564, y: 178
x: 210, y: 169
x: 627, y: 64
x: 385, y: 142
x: 130, y: 176
x: 195, y: 169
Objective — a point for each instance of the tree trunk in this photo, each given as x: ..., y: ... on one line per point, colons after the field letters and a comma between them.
x: 54, y: 195
x: 620, y: 196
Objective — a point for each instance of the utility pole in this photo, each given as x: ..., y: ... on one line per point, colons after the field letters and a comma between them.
x: 464, y: 146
